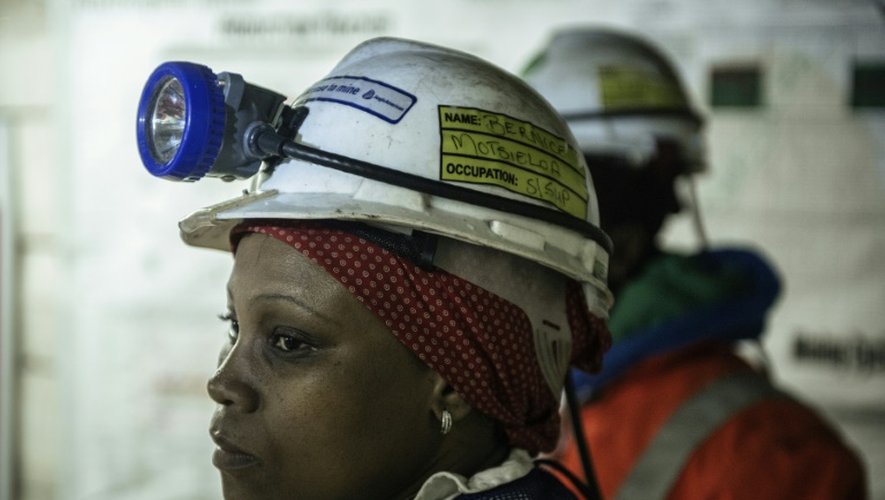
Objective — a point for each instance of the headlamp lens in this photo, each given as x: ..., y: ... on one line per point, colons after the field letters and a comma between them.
x: 168, y: 121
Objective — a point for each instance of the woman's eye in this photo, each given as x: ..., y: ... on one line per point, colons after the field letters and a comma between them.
x: 234, y: 330
x: 288, y: 343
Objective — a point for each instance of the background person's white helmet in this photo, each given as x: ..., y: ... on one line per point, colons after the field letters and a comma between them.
x: 619, y: 94
x: 435, y: 140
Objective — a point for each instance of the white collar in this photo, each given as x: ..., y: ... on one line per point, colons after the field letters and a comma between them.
x: 448, y: 485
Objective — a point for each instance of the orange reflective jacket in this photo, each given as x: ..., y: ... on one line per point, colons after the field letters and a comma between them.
x: 773, y: 448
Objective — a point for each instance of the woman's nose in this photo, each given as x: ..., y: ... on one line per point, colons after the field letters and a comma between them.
x: 230, y: 385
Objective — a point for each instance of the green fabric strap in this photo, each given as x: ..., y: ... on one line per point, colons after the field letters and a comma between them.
x: 670, y: 287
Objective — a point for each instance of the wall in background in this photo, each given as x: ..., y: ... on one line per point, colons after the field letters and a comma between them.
x: 117, y: 332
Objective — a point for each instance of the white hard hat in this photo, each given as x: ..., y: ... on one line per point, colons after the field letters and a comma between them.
x: 619, y: 94
x: 437, y: 141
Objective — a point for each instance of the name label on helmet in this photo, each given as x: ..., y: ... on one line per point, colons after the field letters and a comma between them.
x: 372, y: 96
x: 623, y: 87
x: 483, y: 147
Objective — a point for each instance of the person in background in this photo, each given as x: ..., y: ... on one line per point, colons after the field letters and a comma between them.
x: 675, y: 412
x: 403, y: 306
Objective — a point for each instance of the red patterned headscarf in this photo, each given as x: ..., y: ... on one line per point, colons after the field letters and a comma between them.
x: 479, y: 342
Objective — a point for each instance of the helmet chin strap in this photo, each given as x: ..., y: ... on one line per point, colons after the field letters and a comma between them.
x: 588, y: 486
x: 697, y: 220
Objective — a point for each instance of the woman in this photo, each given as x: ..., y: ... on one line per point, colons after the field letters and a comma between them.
x: 401, y: 323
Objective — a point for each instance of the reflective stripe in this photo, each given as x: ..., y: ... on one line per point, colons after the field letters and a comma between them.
x: 661, y: 463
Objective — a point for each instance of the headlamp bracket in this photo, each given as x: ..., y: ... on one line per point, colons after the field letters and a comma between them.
x: 246, y: 106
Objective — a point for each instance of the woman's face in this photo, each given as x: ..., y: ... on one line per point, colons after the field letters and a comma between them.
x: 316, y: 398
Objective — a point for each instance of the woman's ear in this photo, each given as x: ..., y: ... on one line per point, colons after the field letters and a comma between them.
x: 445, y: 397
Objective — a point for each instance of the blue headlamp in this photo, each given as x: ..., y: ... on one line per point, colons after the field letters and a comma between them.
x: 194, y: 123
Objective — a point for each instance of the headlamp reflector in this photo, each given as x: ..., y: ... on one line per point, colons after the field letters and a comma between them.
x: 167, y: 121
x: 181, y: 119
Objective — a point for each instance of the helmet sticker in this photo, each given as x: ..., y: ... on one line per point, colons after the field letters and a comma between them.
x: 372, y: 96
x: 483, y: 147
x: 622, y: 87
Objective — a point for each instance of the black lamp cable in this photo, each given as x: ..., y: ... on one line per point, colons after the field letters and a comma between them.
x: 583, y: 447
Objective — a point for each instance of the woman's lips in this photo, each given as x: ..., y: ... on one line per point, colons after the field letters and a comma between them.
x: 229, y: 457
